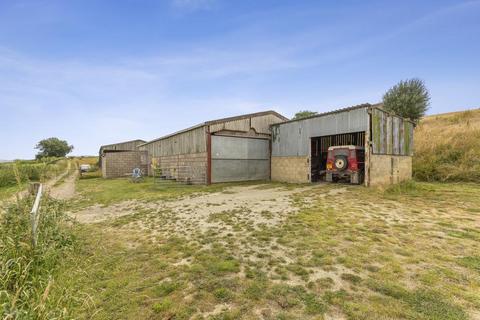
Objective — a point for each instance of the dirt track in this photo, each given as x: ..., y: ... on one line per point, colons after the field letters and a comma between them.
x: 65, y: 190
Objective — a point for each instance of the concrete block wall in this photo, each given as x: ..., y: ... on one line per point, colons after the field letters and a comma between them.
x: 119, y: 164
x: 184, y: 167
x: 290, y: 169
x: 388, y: 169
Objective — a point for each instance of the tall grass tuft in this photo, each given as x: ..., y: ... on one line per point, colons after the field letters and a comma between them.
x: 23, y: 171
x: 27, y: 273
x: 447, y: 147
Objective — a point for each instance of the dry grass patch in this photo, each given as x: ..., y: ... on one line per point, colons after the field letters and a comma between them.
x: 447, y: 147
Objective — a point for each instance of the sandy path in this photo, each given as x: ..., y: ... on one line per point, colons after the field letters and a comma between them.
x: 66, y: 190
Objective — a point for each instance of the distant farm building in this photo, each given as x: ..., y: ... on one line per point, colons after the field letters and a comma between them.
x: 130, y: 145
x: 230, y: 149
x: 299, y: 147
x: 119, y: 159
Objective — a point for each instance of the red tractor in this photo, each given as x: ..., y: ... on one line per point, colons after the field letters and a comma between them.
x: 345, y: 163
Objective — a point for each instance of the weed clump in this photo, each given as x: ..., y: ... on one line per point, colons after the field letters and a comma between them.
x: 409, y: 187
x: 22, y: 171
x: 27, y: 273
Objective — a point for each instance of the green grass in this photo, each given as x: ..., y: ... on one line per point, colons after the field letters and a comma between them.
x: 13, y: 173
x: 28, y: 274
x: 96, y: 190
x: 8, y: 192
x: 425, y: 303
x: 472, y: 262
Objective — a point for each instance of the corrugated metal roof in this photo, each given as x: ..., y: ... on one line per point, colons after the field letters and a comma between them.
x: 245, y: 116
x: 292, y: 138
x: 207, y: 123
x: 113, y: 144
x: 359, y: 106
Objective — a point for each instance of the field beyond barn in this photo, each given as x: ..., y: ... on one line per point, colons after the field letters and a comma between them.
x: 447, y: 147
x: 275, y: 251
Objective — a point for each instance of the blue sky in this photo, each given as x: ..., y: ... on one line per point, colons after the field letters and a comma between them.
x: 97, y: 72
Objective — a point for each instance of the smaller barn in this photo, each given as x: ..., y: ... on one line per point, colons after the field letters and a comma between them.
x: 119, y: 159
x: 130, y: 145
x: 300, y: 147
x: 229, y: 149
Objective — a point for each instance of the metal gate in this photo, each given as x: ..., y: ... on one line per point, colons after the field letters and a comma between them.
x: 240, y: 159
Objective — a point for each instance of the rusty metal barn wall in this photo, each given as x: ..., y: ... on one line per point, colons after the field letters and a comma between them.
x: 391, y: 135
x: 293, y: 138
x: 192, y: 141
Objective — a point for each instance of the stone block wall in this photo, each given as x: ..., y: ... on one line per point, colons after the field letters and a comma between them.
x: 121, y: 164
x: 388, y: 169
x: 184, y: 167
x: 290, y: 169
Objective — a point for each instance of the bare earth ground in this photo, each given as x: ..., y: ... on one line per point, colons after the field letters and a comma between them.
x: 66, y: 189
x: 284, y: 252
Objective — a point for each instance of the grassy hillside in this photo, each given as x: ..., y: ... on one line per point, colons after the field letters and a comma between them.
x: 447, y: 147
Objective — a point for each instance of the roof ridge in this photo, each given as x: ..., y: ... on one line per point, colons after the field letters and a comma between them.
x: 207, y: 123
x: 111, y: 144
x: 358, y: 106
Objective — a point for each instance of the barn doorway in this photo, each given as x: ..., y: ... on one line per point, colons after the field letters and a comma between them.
x: 239, y: 158
x: 319, y: 150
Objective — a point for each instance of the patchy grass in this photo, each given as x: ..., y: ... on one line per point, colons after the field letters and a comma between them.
x: 96, y: 190
x: 408, y: 252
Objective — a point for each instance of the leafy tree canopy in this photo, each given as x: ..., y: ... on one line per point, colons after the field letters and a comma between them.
x: 53, y: 147
x: 303, y: 114
x: 408, y: 99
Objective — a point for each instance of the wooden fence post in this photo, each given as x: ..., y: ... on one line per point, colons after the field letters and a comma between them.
x: 34, y: 214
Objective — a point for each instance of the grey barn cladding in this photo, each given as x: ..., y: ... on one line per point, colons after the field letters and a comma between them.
x: 388, y: 142
x: 216, y: 151
x: 122, y: 146
x: 291, y: 138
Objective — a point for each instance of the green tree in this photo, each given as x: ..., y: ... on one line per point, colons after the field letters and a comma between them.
x: 53, y: 147
x: 408, y: 99
x: 303, y: 114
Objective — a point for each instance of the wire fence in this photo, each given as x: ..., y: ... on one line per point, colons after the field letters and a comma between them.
x: 180, y: 174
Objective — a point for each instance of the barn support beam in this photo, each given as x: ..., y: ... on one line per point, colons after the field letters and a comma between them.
x: 368, y: 150
x: 209, y: 155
